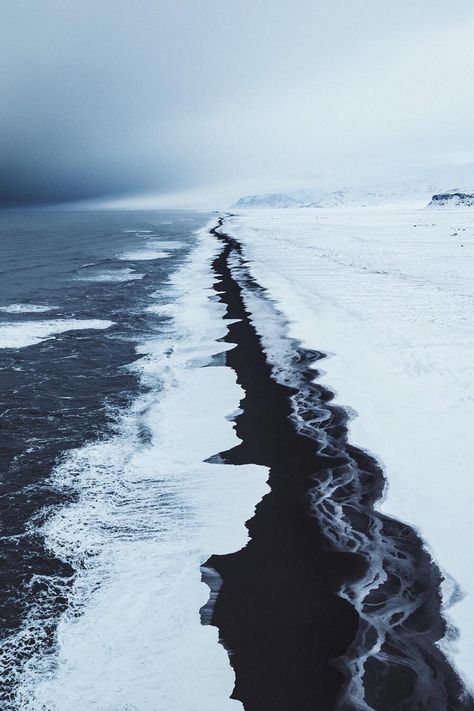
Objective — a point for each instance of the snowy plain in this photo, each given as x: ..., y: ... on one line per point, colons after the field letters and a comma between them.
x: 388, y: 294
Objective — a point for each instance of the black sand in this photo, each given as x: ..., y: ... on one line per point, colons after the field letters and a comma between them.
x: 276, y: 602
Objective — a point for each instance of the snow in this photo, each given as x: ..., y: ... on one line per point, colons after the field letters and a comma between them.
x: 415, y: 192
x: 388, y: 294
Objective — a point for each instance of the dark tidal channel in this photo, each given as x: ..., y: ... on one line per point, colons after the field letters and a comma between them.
x: 277, y: 603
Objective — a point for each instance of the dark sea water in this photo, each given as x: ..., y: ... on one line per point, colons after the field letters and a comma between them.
x: 74, y: 289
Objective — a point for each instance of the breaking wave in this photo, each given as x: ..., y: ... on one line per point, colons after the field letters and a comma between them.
x: 145, y: 511
x: 29, y: 333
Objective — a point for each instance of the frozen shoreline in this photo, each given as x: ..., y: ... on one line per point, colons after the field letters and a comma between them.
x: 389, y: 293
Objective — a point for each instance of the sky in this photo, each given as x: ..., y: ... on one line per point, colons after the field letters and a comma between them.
x: 210, y: 99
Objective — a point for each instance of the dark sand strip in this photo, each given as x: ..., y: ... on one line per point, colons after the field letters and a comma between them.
x: 277, y: 602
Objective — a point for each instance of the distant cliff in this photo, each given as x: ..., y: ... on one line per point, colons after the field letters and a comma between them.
x: 453, y: 198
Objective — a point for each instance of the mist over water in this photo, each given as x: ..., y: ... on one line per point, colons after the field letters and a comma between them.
x: 114, y: 99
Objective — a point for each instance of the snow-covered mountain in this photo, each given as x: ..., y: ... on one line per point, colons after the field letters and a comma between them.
x: 337, y: 198
x: 296, y: 198
x: 419, y: 190
x: 273, y: 200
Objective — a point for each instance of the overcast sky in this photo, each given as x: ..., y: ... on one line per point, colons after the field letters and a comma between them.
x: 110, y: 97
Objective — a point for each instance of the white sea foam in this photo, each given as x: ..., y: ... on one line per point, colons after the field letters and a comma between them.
x: 112, y: 275
x: 28, y: 333
x: 27, y: 308
x: 167, y: 244
x: 138, y: 232
x: 161, y: 309
x: 146, y: 517
x: 142, y: 255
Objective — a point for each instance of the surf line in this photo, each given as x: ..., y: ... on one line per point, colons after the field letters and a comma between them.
x: 331, y: 605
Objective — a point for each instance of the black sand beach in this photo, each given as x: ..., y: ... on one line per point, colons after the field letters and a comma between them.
x: 290, y: 633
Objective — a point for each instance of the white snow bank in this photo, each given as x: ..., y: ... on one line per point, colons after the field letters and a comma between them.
x: 390, y: 295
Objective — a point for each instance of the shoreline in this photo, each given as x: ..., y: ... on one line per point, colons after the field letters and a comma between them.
x: 294, y: 606
x: 142, y: 516
x: 388, y: 296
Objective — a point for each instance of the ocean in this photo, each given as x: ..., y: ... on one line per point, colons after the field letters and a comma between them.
x: 83, y: 303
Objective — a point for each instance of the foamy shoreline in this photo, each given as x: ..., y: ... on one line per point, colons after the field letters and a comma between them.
x: 145, y: 519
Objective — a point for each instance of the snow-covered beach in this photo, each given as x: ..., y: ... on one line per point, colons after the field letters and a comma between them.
x: 388, y: 294
x: 227, y: 494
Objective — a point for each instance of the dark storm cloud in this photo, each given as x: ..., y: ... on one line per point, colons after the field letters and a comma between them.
x: 77, y: 100
x: 108, y: 97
